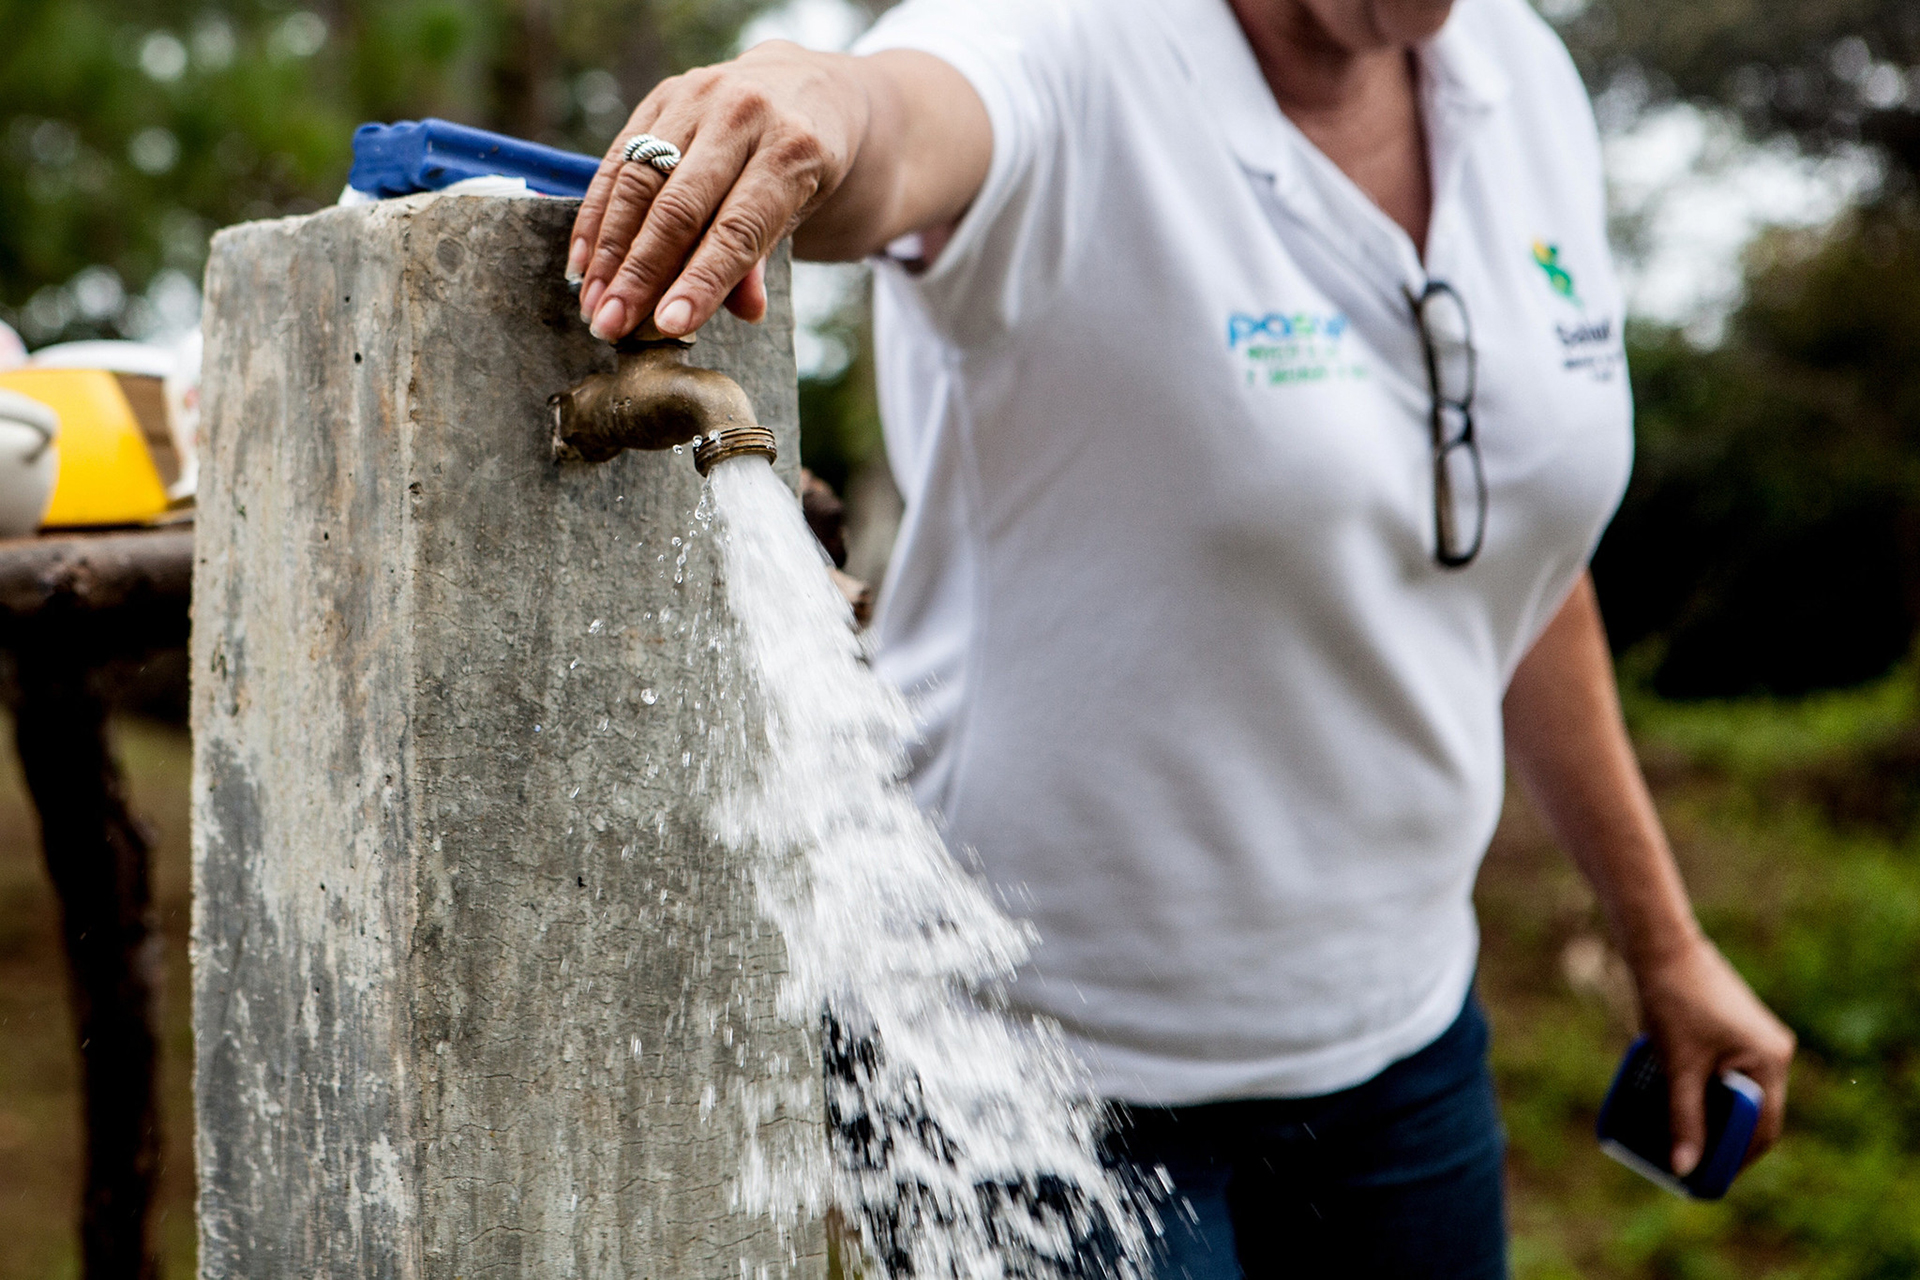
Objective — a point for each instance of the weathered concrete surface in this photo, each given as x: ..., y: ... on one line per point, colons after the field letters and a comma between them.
x: 473, y: 984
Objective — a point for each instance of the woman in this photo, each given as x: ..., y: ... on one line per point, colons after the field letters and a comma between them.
x: 1252, y: 369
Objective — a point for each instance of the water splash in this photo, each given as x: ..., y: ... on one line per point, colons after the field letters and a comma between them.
x: 964, y: 1143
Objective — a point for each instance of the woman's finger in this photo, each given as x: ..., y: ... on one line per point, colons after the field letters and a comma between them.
x: 593, y: 206
x: 676, y: 218
x: 1687, y: 1114
x: 1770, y: 1070
x: 635, y: 186
x: 749, y: 298
x: 586, y: 223
x: 634, y: 189
x: 755, y: 214
x: 1773, y: 1116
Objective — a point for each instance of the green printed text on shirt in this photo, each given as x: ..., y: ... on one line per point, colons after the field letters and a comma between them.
x: 1287, y: 348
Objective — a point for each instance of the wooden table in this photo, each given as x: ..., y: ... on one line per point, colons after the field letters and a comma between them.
x: 71, y: 603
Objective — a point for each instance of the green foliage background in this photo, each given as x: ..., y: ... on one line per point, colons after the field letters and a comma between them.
x: 1768, y: 543
x: 1794, y: 821
x: 1771, y: 537
x: 135, y: 128
x: 1767, y: 554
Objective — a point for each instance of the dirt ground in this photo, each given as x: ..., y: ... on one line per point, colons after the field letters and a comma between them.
x: 40, y: 1156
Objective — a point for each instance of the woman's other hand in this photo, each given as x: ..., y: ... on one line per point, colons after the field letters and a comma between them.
x: 859, y: 149
x: 1568, y: 744
x: 1705, y: 1020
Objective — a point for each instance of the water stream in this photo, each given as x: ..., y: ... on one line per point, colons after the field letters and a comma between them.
x: 963, y: 1142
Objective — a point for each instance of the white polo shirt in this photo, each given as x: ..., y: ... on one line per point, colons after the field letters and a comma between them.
x: 1196, y: 694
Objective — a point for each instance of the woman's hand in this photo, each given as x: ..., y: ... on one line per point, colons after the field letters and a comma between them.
x: 1568, y: 745
x: 763, y: 140
x: 867, y: 148
x: 1704, y: 1020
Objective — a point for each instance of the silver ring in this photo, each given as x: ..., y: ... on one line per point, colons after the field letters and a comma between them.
x: 658, y: 152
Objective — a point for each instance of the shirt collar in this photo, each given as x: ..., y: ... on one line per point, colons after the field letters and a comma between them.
x: 1463, y: 73
x: 1461, y: 81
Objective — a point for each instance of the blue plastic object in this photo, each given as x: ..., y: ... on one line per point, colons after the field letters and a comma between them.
x: 426, y: 155
x: 1634, y: 1125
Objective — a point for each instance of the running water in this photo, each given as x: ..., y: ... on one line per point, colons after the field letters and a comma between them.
x: 963, y: 1143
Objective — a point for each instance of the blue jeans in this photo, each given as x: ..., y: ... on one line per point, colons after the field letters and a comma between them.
x: 1399, y: 1178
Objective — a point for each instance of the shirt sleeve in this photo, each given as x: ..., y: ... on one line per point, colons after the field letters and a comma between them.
x: 1031, y: 64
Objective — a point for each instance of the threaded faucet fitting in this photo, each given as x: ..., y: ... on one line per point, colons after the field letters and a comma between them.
x: 731, y: 442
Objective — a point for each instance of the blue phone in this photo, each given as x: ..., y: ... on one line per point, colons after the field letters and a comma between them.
x: 1634, y: 1125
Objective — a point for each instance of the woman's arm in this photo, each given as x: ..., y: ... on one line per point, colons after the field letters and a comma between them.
x: 847, y: 153
x: 1567, y: 743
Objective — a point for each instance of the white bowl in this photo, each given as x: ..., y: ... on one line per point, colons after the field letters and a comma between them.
x: 113, y: 355
x: 29, y: 462
x: 13, y: 352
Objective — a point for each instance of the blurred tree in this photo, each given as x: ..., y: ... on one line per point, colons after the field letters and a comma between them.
x: 1771, y: 536
x: 1824, y: 71
x: 130, y: 129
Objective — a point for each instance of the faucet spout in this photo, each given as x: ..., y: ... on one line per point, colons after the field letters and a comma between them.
x: 653, y: 399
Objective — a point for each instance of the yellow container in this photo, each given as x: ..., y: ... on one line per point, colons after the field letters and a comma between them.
x: 108, y: 473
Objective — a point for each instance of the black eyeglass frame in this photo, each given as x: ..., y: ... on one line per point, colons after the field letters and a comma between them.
x: 1446, y: 548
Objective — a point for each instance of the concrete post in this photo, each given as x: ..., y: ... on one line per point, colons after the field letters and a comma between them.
x: 473, y: 982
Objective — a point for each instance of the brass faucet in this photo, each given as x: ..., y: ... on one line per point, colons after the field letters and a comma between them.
x: 654, y: 399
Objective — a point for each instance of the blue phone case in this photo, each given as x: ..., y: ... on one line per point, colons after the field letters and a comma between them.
x: 426, y: 155
x: 1634, y: 1125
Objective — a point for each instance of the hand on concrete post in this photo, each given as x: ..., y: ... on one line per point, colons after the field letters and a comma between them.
x: 845, y: 153
x: 763, y: 139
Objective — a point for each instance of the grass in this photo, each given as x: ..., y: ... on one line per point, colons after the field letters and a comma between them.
x: 1795, y: 827
x: 1798, y: 826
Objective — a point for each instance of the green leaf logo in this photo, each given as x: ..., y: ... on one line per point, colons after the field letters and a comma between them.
x: 1548, y: 256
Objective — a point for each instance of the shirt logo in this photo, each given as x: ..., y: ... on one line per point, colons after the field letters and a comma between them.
x: 1547, y: 256
x: 1590, y: 347
x: 1587, y: 346
x: 1282, y: 348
